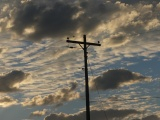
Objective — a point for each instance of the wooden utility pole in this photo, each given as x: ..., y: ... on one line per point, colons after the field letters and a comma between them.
x: 84, y: 47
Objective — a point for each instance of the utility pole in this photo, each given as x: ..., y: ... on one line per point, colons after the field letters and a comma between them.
x: 84, y: 47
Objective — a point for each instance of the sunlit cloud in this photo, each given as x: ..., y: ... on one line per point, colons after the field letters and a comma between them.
x: 39, y: 113
x: 95, y: 115
x: 3, y: 50
x: 7, y: 101
x: 63, y: 95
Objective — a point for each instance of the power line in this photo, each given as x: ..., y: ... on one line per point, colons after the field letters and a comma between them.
x: 75, y: 94
x: 99, y: 96
x: 141, y: 98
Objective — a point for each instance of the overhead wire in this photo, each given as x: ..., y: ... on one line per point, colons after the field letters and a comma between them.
x: 77, y: 118
x: 142, y: 98
x: 133, y: 99
x: 99, y: 100
x: 99, y: 96
x: 54, y: 62
x: 74, y: 48
x: 70, y: 76
x: 82, y: 117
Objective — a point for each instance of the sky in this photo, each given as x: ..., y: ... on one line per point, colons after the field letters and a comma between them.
x: 42, y: 78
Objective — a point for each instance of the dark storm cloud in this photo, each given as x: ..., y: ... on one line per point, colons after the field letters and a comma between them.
x: 63, y: 95
x: 113, y: 79
x: 36, y: 20
x: 47, y: 22
x: 150, y: 117
x: 95, y: 13
x: 138, y: 1
x: 59, y: 19
x: 95, y: 115
x: 8, y: 81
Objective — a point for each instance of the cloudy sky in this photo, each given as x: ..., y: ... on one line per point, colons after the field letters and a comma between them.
x: 41, y: 78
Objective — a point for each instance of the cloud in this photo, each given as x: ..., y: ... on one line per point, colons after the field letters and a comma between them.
x: 2, y: 50
x: 38, y: 20
x: 63, y: 95
x: 7, y: 101
x: 9, y: 81
x: 38, y: 113
x: 118, y: 40
x: 139, y: 1
x: 58, y: 19
x: 150, y: 117
x: 116, y: 78
x: 95, y: 115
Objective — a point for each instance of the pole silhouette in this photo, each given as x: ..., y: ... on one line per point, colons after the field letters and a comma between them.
x: 84, y: 47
